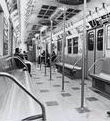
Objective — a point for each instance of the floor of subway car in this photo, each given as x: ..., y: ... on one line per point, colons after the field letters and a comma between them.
x: 62, y: 106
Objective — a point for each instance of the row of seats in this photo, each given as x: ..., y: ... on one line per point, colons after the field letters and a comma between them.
x: 99, y: 72
x: 101, y: 80
x: 72, y: 66
x: 16, y: 99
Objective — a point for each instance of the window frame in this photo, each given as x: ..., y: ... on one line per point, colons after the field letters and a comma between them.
x: 74, y: 39
x: 69, y: 46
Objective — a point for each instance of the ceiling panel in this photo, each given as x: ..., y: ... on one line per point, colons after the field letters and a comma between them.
x: 46, y: 11
x: 39, y: 12
x: 72, y: 2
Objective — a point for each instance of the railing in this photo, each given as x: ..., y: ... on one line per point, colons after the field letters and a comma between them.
x: 57, y: 59
x: 100, y: 59
x: 43, y: 115
x: 77, y: 62
x: 17, y: 57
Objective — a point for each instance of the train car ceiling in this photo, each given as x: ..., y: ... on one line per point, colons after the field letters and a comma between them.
x: 46, y: 13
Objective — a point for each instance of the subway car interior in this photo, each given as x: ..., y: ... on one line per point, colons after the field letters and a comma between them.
x: 54, y: 60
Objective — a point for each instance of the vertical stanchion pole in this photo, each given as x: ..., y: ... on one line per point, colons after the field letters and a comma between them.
x: 104, y: 38
x: 40, y: 50
x: 63, y: 48
x: 83, y: 56
x: 37, y: 53
x: 82, y: 109
x: 51, y: 50
x: 45, y: 57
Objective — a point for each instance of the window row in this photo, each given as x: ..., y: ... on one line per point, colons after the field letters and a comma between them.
x: 72, y: 45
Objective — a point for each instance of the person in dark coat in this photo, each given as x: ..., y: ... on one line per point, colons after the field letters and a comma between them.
x: 53, y: 56
x: 21, y: 56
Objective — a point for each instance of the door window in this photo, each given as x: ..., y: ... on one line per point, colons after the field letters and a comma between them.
x: 100, y: 39
x: 69, y: 46
x: 91, y: 40
x: 75, y: 45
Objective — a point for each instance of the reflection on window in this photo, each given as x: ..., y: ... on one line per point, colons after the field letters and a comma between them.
x: 75, y: 45
x: 108, y: 37
x: 69, y: 46
x: 90, y: 41
x: 100, y: 39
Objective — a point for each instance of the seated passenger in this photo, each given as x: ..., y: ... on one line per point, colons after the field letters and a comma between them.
x: 19, y: 65
x: 53, y: 56
x: 43, y: 56
x: 25, y: 55
x: 17, y: 53
x: 47, y: 58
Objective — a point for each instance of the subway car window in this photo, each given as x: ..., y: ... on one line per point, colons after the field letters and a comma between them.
x: 100, y: 39
x: 90, y: 41
x: 69, y: 46
x: 75, y: 45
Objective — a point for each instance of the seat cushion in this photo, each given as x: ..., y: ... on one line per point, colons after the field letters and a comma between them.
x: 69, y: 66
x: 77, y: 68
x: 102, y: 76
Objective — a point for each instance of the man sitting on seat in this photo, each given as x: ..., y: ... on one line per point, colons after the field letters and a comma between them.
x: 19, y: 65
x: 53, y: 56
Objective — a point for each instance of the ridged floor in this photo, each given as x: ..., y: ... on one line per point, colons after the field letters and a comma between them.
x: 60, y: 106
x: 63, y: 106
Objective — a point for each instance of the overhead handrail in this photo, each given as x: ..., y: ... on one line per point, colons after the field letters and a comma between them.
x: 15, y: 80
x: 100, y: 59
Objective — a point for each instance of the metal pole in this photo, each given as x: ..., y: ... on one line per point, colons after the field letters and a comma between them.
x: 37, y: 52
x: 51, y: 50
x: 45, y: 57
x: 63, y: 48
x: 83, y: 56
x: 40, y: 50
x: 104, y: 38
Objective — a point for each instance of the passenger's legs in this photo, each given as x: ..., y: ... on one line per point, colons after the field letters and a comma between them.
x: 29, y: 68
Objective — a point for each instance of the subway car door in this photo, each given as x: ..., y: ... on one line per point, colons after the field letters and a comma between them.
x: 95, y: 47
x: 99, y: 47
x: 90, y: 48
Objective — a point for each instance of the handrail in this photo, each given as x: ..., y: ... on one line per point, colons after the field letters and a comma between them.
x: 100, y: 59
x: 77, y: 62
x: 58, y: 58
x: 17, y: 57
x: 26, y: 91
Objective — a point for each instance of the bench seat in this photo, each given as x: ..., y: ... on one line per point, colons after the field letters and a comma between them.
x: 102, y: 76
x: 101, y: 81
x: 15, y: 104
x: 69, y: 66
x: 72, y: 71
